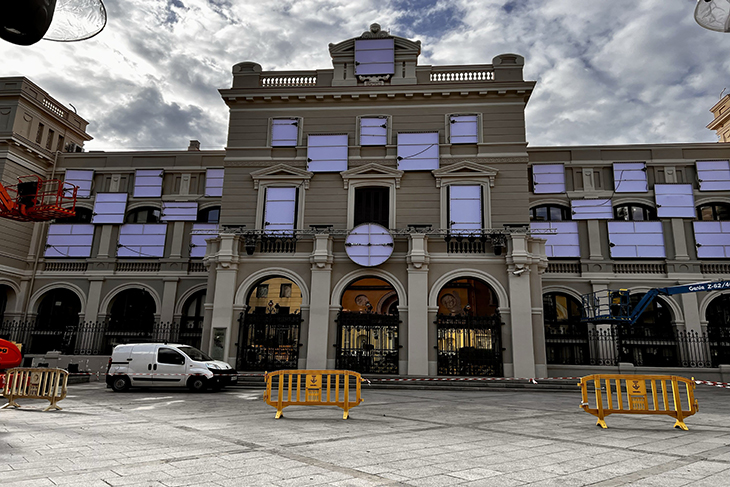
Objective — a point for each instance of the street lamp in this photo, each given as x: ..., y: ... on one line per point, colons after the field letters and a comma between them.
x: 713, y: 14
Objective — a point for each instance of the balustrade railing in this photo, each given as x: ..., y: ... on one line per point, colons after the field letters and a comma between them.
x: 717, y: 268
x: 461, y: 74
x: 563, y: 268
x: 65, y: 266
x: 639, y: 268
x: 138, y: 267
x: 285, y: 80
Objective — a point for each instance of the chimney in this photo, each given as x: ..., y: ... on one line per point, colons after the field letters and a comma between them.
x: 194, y: 145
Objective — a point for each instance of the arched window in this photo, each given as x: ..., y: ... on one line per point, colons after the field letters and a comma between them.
x: 718, y: 329
x: 634, y: 212
x: 83, y: 215
x: 549, y: 213
x: 566, y: 338
x: 467, y: 297
x: 209, y: 215
x: 58, y: 314
x: 132, y: 310
x: 714, y: 211
x: 651, y: 341
x: 145, y: 214
x: 193, y: 310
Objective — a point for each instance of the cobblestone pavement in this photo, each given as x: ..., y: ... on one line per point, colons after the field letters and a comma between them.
x: 396, y: 437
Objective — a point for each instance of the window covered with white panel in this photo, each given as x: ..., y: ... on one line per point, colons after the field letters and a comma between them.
x: 713, y: 175
x: 69, y: 240
x: 280, y: 210
x: 148, y: 183
x: 548, y: 178
x: 599, y: 209
x: 562, y: 238
x: 214, y: 182
x: 464, y: 129
x: 327, y: 153
x: 109, y: 208
x: 674, y: 200
x: 418, y: 151
x: 630, y: 177
x: 373, y: 131
x: 712, y: 239
x: 638, y: 239
x: 186, y: 211
x: 374, y: 56
x: 82, y: 178
x: 142, y: 240
x: 285, y: 132
x: 201, y: 233
x: 465, y: 209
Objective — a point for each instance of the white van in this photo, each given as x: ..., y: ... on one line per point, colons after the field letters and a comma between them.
x: 166, y: 365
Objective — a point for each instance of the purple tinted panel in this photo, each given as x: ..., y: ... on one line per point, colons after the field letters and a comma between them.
x: 674, y: 200
x: 369, y: 245
x: 548, y: 178
x: 417, y: 152
x: 623, y: 252
x: 280, y: 209
x: 66, y: 240
x: 201, y: 232
x: 148, y: 183
x: 82, y: 179
x: 374, y: 56
x: 566, y: 251
x: 142, y: 240
x: 463, y: 129
x: 630, y: 177
x: 636, y: 239
x: 109, y: 208
x: 327, y: 153
x: 561, y: 238
x: 373, y: 131
x: 284, y: 132
x: 178, y: 212
x: 592, y: 209
x: 712, y: 239
x: 214, y: 182
x: 713, y: 175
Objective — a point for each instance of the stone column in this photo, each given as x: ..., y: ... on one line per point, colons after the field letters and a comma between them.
x: 94, y: 299
x: 176, y: 248
x: 680, y: 239
x: 226, y: 261
x: 518, y: 275
x: 418, y: 325
x: 169, y: 294
x: 319, y: 307
x: 595, y: 240
x: 208, y: 307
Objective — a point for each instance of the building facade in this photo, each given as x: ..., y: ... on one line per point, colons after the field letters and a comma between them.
x: 381, y: 216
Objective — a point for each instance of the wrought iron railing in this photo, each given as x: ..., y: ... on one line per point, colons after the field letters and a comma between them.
x: 367, y: 342
x: 268, y: 341
x: 469, y: 345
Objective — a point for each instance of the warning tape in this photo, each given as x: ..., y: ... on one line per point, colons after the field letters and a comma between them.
x: 725, y: 385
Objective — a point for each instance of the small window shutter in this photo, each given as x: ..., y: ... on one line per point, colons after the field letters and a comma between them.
x: 109, y: 208
x: 66, y: 240
x: 327, y: 153
x: 374, y: 56
x: 465, y: 209
x: 201, y: 233
x: 674, y: 201
x: 463, y: 129
x: 713, y: 239
x: 592, y: 209
x: 713, y: 175
x: 373, y: 131
x: 214, y: 182
x: 418, y: 152
x: 636, y: 239
x: 284, y: 132
x: 148, y: 183
x: 280, y: 210
x: 82, y: 179
x: 630, y: 177
x: 179, y: 212
x: 562, y: 238
x: 142, y: 240
x: 548, y: 178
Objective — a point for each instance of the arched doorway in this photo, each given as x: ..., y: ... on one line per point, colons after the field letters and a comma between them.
x: 56, y: 322
x: 566, y: 338
x: 651, y: 341
x: 269, y: 328
x: 367, y: 327
x: 191, y: 321
x: 469, y: 329
x: 132, y: 319
x: 3, y: 302
x: 718, y: 329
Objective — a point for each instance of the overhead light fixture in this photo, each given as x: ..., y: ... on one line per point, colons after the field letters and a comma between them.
x: 713, y: 14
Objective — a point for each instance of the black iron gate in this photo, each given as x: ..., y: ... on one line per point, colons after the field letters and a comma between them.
x: 469, y: 345
x: 268, y: 341
x: 367, y: 342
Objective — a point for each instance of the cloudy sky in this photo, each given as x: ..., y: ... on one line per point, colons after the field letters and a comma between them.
x: 607, y: 72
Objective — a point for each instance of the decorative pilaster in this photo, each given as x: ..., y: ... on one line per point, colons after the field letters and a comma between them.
x: 319, y: 308
x: 418, y: 323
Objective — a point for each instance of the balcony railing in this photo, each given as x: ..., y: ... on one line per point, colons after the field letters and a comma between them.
x: 638, y: 268
x: 563, y: 268
x: 65, y: 266
x: 138, y: 267
x: 715, y: 268
x: 461, y: 74
x: 288, y: 79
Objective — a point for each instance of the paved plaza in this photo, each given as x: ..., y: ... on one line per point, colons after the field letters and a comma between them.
x: 396, y: 437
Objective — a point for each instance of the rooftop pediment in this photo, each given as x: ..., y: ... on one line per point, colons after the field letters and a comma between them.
x: 464, y: 170
x: 372, y: 171
x: 281, y: 173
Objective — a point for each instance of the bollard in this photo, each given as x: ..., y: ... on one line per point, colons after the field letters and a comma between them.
x: 312, y: 388
x: 609, y: 399
x: 35, y: 383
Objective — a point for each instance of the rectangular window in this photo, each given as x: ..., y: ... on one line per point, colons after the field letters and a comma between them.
x: 548, y: 178
x: 144, y: 240
x: 179, y: 212
x: 262, y: 291
x: 82, y: 179
x: 713, y: 239
x: 562, y: 238
x: 465, y: 209
x: 713, y: 175
x: 66, y: 240
x: 592, y: 209
x: 372, y: 205
x: 39, y: 134
x: 201, y: 233
x: 373, y: 131
x: 49, y: 140
x: 674, y: 201
x: 59, y: 146
x: 374, y: 56
x: 327, y: 153
x: 284, y: 132
x: 280, y: 210
x: 109, y: 208
x: 214, y: 182
x: 463, y: 129
x: 636, y: 239
x: 148, y: 183
x: 418, y: 151
x: 630, y: 177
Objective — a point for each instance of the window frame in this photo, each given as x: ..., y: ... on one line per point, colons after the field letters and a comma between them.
x: 217, y: 189
x: 651, y: 212
x: 388, y: 130
x: 714, y: 205
x: 437, y: 144
x: 261, y: 205
x: 465, y: 173
x: 270, y: 134
x: 147, y: 174
x: 536, y: 184
x: 333, y: 163
x: 565, y: 210
x: 479, y: 127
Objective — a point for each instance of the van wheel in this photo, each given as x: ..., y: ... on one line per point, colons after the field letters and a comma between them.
x: 120, y: 384
x: 197, y: 384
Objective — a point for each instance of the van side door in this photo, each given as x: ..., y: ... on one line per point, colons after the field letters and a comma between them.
x: 170, y: 368
x: 141, y: 366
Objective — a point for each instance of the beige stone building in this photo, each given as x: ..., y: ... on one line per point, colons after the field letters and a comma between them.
x: 383, y: 216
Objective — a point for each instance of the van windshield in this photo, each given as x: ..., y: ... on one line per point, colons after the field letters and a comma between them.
x: 195, y: 354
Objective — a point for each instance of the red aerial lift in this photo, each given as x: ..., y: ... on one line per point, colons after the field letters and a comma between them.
x: 35, y: 199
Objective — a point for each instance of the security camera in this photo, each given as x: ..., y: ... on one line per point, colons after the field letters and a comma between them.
x: 519, y: 272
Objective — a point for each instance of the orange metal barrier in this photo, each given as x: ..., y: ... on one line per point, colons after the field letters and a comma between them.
x: 312, y: 388
x: 638, y: 399
x: 35, y: 383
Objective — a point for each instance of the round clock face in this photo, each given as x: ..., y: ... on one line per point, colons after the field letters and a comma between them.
x: 369, y: 244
